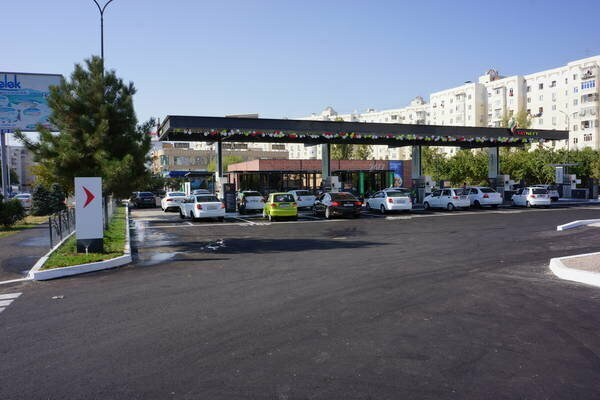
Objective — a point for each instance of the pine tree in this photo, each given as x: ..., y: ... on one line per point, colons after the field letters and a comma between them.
x: 56, y: 198
x: 98, y: 132
x: 40, y: 201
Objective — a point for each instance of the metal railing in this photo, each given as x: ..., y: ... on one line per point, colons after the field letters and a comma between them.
x: 60, y: 225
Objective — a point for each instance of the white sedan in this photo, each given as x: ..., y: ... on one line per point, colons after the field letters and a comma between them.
x: 389, y: 200
x: 450, y: 199
x: 304, y: 198
x: 25, y: 199
x: 531, y: 197
x: 171, y: 200
x: 484, y: 196
x: 202, y: 206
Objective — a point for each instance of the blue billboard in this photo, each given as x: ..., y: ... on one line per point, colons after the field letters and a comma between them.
x: 24, y: 100
x: 398, y: 169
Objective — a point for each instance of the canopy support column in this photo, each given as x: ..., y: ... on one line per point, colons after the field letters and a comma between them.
x: 325, y: 161
x: 417, y: 168
x: 493, y: 162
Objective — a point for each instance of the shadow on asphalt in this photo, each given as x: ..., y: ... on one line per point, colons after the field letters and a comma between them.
x: 246, y: 245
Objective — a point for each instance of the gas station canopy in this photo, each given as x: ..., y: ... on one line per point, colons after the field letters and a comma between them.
x: 233, y: 129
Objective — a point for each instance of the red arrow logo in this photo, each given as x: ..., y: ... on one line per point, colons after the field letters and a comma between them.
x: 89, y: 198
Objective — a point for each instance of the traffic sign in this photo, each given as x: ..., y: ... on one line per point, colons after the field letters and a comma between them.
x: 88, y: 215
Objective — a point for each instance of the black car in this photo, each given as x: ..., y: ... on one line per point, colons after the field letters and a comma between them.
x: 337, y: 204
x: 142, y: 199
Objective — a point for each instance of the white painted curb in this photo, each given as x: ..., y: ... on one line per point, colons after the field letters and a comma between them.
x: 577, y: 223
x: 563, y: 272
x: 38, y: 275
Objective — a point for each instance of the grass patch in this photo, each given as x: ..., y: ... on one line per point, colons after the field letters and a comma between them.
x: 114, y: 243
x: 29, y: 221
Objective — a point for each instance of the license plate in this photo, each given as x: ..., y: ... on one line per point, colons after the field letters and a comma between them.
x: 284, y: 205
x: 400, y: 201
x: 211, y: 207
x: 348, y: 205
x: 463, y: 197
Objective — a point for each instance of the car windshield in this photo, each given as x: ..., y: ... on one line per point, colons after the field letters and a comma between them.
x: 461, y: 192
x: 282, y: 198
x: 552, y: 188
x: 176, y: 194
x: 539, y: 191
x: 398, y: 193
x: 342, y: 197
x: 487, y: 190
x: 146, y: 194
x: 206, y: 199
x: 252, y: 194
x: 303, y: 193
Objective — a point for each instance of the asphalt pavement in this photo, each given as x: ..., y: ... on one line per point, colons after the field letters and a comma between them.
x: 19, y: 252
x: 429, y: 306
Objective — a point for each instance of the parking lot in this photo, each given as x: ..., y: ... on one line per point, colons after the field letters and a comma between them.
x: 421, y: 305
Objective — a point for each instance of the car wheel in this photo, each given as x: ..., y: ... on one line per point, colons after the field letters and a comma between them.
x: 368, y: 206
x: 327, y: 213
x: 295, y: 218
x: 357, y: 215
x: 181, y: 214
x: 450, y: 207
x: 382, y: 209
x: 221, y: 219
x: 513, y: 203
x: 494, y: 205
x: 426, y: 206
x: 192, y: 217
x: 477, y: 204
x: 528, y: 205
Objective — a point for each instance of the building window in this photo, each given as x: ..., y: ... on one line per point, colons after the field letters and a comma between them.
x: 278, y: 146
x: 540, y: 86
x: 183, y: 145
x: 510, y: 92
x: 469, y: 97
x: 574, y: 77
x: 553, y: 107
x: 575, y: 140
x: 469, y: 107
x: 554, y: 121
x: 566, y: 80
x: 575, y: 89
x: 553, y: 84
x: 541, y: 97
x: 451, y: 121
x: 528, y: 89
x: 394, y: 117
x: 585, y: 124
x: 575, y: 128
x: 164, y: 160
x: 575, y: 101
x: 541, y: 110
x: 497, y: 91
x: 528, y: 111
x: 587, y: 137
x: 553, y: 96
x: 588, y: 84
x: 529, y: 99
x: 179, y: 160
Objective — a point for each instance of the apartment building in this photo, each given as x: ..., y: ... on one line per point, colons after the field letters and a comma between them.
x: 566, y: 97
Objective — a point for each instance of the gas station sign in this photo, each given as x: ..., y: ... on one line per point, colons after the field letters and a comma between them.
x: 88, y: 215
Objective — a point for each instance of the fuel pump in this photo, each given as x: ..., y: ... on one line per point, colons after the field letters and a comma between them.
x: 504, y: 185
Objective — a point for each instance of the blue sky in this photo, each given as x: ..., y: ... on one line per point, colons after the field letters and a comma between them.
x: 291, y: 58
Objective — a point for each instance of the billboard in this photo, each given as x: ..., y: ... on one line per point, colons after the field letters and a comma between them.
x: 23, y: 100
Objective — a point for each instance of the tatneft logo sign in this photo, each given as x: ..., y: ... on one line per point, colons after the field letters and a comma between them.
x: 8, y: 82
x: 525, y: 133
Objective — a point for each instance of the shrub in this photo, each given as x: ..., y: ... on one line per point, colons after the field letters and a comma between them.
x: 11, y: 212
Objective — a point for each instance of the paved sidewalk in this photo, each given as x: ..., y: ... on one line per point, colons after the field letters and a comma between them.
x: 19, y: 252
x: 590, y: 263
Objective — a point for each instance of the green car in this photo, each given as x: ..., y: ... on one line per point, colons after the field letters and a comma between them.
x: 280, y: 205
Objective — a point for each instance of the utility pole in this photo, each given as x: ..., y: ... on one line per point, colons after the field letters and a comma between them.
x: 4, y: 167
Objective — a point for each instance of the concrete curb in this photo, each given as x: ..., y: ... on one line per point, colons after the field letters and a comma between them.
x: 38, y: 275
x: 577, y: 223
x: 563, y: 272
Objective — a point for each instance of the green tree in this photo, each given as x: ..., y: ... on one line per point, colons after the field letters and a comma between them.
x: 522, y: 118
x: 341, y: 151
x: 56, y: 198
x: 227, y: 160
x: 434, y: 163
x: 362, y: 152
x: 98, y: 132
x: 40, y: 201
x: 14, y: 178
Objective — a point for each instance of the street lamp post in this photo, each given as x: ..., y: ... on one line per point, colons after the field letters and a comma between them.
x: 101, y: 9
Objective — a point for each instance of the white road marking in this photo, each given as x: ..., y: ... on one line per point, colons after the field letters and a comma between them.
x: 9, y: 296
x: 5, y: 303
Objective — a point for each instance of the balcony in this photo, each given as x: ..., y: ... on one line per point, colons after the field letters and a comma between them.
x: 589, y: 98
